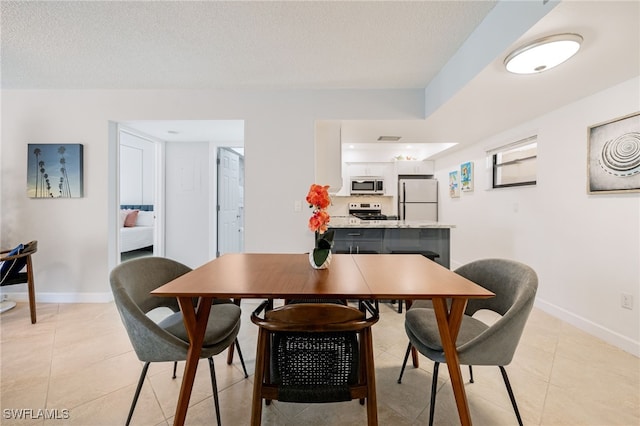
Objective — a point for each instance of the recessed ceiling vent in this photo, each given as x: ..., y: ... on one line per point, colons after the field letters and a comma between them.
x: 389, y: 138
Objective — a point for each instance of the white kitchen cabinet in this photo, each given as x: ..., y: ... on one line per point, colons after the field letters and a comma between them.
x: 370, y: 169
x: 410, y: 167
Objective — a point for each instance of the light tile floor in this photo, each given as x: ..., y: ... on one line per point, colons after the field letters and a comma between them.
x: 78, y: 358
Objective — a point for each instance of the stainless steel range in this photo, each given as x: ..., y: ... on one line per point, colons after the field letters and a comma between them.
x: 367, y: 211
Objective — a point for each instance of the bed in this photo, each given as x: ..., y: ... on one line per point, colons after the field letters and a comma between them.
x: 136, y: 227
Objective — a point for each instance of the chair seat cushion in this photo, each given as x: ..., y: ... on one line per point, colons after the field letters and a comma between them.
x: 421, y: 324
x: 421, y: 303
x: 222, y: 322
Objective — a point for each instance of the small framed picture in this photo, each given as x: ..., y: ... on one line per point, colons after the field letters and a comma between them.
x: 54, y: 170
x: 613, y: 163
x: 466, y: 176
x: 454, y: 184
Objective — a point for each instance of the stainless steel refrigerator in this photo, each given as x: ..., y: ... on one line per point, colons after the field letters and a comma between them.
x: 417, y: 198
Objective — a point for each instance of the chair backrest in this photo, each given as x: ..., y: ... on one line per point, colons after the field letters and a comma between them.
x: 315, y: 355
x: 131, y: 284
x: 515, y: 285
x: 314, y: 317
x: 14, y: 261
x: 30, y: 248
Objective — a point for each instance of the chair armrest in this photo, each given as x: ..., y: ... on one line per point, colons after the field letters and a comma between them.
x: 16, y: 256
x: 27, y: 250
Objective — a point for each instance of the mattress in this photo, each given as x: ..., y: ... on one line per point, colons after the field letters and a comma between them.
x: 135, y: 237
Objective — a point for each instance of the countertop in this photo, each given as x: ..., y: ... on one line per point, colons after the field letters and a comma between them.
x: 353, y: 222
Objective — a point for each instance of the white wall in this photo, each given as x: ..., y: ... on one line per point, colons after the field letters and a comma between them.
x: 585, y: 248
x: 72, y: 261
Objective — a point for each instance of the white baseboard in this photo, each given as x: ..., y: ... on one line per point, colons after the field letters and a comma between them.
x: 616, y: 339
x: 61, y: 297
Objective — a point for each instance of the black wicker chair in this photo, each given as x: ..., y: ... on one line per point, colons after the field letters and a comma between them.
x: 314, y: 353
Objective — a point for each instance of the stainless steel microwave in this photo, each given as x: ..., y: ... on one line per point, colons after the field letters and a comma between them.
x: 367, y: 185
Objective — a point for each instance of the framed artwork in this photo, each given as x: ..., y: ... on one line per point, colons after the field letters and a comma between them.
x: 466, y: 176
x: 454, y: 184
x: 613, y: 163
x: 54, y: 171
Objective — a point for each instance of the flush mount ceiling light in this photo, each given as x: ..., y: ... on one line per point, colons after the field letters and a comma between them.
x: 389, y: 138
x: 543, y: 54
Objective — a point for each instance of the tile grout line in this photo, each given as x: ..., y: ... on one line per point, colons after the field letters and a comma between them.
x: 57, y: 315
x: 155, y: 395
x: 546, y: 393
x: 53, y: 344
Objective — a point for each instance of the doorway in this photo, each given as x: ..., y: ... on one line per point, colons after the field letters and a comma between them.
x: 138, y: 189
x: 230, y: 205
x: 185, y: 165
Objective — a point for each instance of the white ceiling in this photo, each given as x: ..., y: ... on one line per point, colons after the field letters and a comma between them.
x: 231, y: 44
x: 318, y: 45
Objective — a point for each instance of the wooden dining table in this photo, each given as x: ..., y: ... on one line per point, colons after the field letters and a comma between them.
x: 349, y: 276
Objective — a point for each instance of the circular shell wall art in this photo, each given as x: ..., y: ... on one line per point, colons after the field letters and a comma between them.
x: 614, y: 156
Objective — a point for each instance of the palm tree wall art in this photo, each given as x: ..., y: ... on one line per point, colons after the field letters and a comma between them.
x: 54, y: 163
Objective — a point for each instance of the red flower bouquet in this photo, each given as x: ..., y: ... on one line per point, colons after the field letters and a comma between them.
x: 319, y: 200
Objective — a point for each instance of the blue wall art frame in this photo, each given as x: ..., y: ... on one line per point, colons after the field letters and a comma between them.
x: 466, y: 176
x: 54, y: 170
x: 454, y: 184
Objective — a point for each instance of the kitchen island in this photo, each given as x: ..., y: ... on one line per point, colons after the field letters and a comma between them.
x: 353, y: 235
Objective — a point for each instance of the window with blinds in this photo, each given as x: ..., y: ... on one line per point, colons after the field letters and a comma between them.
x: 515, y: 164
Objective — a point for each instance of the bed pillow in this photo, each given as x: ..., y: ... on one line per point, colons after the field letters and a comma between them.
x: 131, y: 219
x: 123, y: 216
x: 145, y: 218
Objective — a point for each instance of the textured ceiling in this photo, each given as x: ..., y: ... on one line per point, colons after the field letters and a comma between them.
x: 326, y: 45
x: 231, y: 44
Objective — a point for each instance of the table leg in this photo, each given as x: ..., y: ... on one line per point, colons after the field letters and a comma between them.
x: 448, y: 326
x: 195, y: 321
x: 256, y: 404
x: 231, y: 349
x: 372, y: 400
x: 414, y: 357
x: 414, y: 352
x: 230, y: 353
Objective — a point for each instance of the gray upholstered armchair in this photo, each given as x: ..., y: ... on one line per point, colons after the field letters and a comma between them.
x: 514, y: 285
x: 131, y: 283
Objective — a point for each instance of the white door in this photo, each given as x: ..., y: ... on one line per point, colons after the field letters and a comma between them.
x: 230, y: 202
x: 187, y: 202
